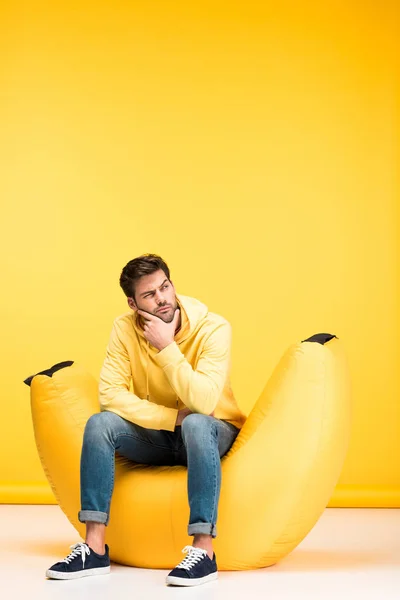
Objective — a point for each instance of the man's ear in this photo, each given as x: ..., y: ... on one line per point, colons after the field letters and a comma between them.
x: 132, y: 304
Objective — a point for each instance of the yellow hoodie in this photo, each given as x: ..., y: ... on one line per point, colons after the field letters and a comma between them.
x: 193, y: 371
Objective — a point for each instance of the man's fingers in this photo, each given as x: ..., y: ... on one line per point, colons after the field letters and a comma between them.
x: 147, y: 315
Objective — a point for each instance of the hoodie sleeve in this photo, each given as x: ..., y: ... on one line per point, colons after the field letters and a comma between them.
x: 199, y: 389
x: 114, y: 394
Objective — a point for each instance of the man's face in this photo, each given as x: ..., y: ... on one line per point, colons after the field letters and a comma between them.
x: 153, y: 292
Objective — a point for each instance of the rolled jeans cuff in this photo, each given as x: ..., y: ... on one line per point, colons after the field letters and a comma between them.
x: 93, y: 515
x: 205, y: 528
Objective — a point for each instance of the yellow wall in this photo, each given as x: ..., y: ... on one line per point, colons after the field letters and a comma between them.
x: 252, y: 146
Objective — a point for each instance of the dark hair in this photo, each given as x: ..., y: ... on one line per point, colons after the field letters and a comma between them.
x: 136, y: 268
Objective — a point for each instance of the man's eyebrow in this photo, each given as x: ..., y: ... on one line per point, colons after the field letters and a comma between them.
x: 148, y: 291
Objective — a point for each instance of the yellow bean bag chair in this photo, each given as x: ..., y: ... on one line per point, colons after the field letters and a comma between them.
x: 276, y: 479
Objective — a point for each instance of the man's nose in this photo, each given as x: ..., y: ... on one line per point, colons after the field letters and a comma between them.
x: 160, y: 299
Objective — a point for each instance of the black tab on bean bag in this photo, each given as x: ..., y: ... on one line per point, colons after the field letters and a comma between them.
x: 49, y: 372
x: 321, y: 338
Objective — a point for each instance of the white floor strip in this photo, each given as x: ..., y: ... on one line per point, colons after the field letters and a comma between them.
x: 349, y: 553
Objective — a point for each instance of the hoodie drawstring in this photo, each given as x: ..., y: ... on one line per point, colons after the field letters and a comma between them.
x: 147, y: 377
x: 147, y: 372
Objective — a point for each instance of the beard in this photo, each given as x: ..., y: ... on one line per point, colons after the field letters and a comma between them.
x: 168, y: 315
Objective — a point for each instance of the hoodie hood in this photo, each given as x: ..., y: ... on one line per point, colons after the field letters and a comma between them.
x: 192, y: 313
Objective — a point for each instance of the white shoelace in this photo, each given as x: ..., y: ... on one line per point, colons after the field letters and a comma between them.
x: 193, y: 557
x: 78, y: 549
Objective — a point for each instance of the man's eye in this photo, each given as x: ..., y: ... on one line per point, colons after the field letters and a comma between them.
x: 148, y: 295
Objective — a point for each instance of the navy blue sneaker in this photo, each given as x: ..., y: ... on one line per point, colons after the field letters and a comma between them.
x: 195, y: 569
x: 82, y: 562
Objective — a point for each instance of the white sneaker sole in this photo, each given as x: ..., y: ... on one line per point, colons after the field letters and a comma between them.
x: 77, y: 574
x: 189, y: 582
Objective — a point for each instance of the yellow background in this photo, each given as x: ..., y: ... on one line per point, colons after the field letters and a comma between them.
x: 252, y: 145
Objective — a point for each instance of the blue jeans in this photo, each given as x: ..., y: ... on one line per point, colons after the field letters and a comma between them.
x: 198, y: 444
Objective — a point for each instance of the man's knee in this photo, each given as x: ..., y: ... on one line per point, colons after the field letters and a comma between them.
x: 196, y: 424
x: 100, y: 423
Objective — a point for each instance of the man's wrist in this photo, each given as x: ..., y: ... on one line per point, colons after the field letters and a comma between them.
x: 160, y: 348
